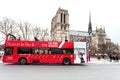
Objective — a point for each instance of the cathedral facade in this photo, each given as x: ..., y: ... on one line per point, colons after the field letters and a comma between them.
x: 60, y: 31
x: 98, y: 37
x: 60, y: 28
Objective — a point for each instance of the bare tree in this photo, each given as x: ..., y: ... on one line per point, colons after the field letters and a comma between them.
x: 25, y: 30
x: 111, y: 47
x: 44, y: 34
x: 40, y: 33
x: 102, y: 48
x: 93, y: 49
x: 7, y: 25
x: 36, y: 31
x: 107, y: 48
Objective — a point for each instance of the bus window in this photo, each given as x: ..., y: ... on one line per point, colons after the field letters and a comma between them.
x: 8, y: 51
x: 64, y: 51
x: 67, y: 51
x: 56, y: 51
x: 32, y: 51
x: 49, y: 51
x: 46, y: 51
x: 35, y: 51
x: 41, y: 51
x: 23, y: 50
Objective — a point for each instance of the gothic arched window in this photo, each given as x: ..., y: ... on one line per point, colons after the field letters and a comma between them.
x: 64, y: 18
x: 61, y: 18
x: 65, y: 28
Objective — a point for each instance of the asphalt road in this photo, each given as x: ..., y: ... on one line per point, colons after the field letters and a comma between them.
x: 60, y: 72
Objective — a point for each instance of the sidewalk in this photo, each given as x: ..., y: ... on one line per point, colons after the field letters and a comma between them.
x: 102, y: 61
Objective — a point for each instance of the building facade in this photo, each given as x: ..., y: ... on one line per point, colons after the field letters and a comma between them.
x: 98, y: 37
x: 60, y: 31
x: 78, y: 35
x: 60, y: 26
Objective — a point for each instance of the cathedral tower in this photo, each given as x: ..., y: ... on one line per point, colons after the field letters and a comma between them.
x: 90, y: 24
x: 60, y: 26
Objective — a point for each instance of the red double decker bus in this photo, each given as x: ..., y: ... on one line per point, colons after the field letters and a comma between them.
x: 23, y: 52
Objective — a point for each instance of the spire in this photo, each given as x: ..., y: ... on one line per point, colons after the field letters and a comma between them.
x: 59, y: 8
x: 90, y: 24
x: 96, y: 27
x: 104, y: 28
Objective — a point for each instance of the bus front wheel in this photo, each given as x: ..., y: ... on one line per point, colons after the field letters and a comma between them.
x: 22, y: 61
x: 66, y: 61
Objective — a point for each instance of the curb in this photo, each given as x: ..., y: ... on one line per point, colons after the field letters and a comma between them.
x: 103, y: 62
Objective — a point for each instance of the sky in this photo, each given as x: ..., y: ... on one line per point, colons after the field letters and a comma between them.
x: 105, y: 13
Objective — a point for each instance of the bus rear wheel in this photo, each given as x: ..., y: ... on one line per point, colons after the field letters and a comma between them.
x: 66, y: 61
x: 22, y: 61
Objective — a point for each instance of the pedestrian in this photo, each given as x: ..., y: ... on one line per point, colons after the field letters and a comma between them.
x: 0, y: 55
x: 113, y: 58
x: 116, y: 59
x: 110, y: 57
x: 98, y: 57
x: 88, y: 57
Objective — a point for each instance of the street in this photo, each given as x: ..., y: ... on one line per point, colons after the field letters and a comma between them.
x: 60, y: 72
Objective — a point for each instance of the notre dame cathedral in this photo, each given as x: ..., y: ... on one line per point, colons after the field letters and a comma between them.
x: 60, y: 30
